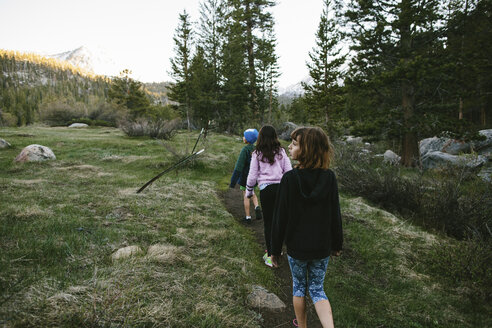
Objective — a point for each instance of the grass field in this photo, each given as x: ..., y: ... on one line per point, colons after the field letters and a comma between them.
x: 61, y: 221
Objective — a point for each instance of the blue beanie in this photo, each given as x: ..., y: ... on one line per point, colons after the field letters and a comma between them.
x: 251, y: 135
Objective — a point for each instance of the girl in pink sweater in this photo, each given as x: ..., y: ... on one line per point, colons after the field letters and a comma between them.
x: 269, y: 162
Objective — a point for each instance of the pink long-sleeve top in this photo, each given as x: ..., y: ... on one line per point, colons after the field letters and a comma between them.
x: 264, y: 172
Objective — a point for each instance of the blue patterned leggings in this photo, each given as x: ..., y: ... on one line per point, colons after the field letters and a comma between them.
x: 310, y: 274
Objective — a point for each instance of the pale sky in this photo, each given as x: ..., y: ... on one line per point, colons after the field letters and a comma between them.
x: 138, y: 34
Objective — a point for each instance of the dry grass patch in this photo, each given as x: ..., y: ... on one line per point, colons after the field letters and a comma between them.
x: 28, y: 182
x: 165, y: 253
x: 126, y: 159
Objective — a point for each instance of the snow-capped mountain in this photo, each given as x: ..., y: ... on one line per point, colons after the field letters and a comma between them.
x: 295, y: 90
x: 92, y: 59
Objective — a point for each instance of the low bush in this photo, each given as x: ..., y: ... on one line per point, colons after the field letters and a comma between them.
x: 7, y: 119
x: 158, y: 129
x: 107, y: 114
x: 61, y: 113
x: 451, y: 200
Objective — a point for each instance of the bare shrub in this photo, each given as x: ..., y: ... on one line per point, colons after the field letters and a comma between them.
x: 158, y: 129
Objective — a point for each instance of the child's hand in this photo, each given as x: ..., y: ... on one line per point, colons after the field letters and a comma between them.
x: 249, y: 192
x: 336, y: 253
x: 234, y: 178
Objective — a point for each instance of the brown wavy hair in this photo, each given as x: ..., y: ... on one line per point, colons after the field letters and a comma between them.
x: 316, y: 150
x: 267, y: 145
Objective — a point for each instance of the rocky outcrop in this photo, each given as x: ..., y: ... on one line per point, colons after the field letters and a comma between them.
x: 286, y: 130
x: 456, y: 147
x: 436, y: 159
x: 35, y: 153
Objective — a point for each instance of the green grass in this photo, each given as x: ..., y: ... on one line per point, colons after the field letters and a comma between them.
x: 60, y: 222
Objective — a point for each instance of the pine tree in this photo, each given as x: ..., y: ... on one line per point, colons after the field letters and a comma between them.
x: 396, y: 42
x: 268, y: 73
x: 468, y: 49
x: 212, y: 33
x: 254, y: 18
x: 129, y: 93
x: 324, y: 95
x: 235, y: 75
x: 202, y: 88
x: 180, y: 66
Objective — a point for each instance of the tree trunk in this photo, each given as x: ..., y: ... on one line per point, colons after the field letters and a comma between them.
x: 483, y: 116
x: 460, y: 114
x: 410, y: 150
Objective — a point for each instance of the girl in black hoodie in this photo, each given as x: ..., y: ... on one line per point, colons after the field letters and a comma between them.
x: 307, y: 218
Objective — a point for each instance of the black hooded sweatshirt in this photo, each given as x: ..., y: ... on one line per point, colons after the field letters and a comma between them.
x: 307, y: 215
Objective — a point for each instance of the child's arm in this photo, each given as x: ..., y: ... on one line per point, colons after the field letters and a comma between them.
x: 238, y: 168
x: 280, y: 217
x: 234, y: 178
x: 337, y: 231
x: 252, y: 175
x: 286, y: 164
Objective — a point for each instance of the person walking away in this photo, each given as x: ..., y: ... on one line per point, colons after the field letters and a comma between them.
x: 240, y: 174
x: 269, y: 162
x: 307, y: 218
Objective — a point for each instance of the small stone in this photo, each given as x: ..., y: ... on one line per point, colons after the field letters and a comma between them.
x: 78, y: 125
x: 260, y: 297
x: 4, y: 144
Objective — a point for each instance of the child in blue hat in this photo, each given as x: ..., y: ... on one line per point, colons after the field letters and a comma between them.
x: 241, y: 171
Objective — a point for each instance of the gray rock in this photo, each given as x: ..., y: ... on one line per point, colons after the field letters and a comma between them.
x: 261, y: 298
x: 35, y: 153
x: 4, y: 144
x: 485, y: 146
x: 391, y: 158
x: 486, y: 174
x: 286, y: 130
x: 78, y: 125
x: 431, y: 144
x: 445, y: 145
x: 435, y: 159
x: 456, y: 147
x: 353, y: 140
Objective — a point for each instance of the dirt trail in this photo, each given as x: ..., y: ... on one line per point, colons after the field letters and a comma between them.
x: 233, y: 202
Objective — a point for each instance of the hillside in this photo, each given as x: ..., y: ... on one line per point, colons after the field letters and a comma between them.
x: 28, y: 79
x: 195, y: 262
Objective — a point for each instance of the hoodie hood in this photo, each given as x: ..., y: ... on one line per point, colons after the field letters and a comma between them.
x: 313, y: 183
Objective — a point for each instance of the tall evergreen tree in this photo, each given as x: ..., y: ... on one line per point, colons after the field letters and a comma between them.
x: 212, y: 30
x: 180, y: 66
x: 202, y: 88
x: 396, y: 42
x: 254, y: 18
x: 268, y: 73
x: 235, y: 75
x: 468, y: 48
x: 324, y: 94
